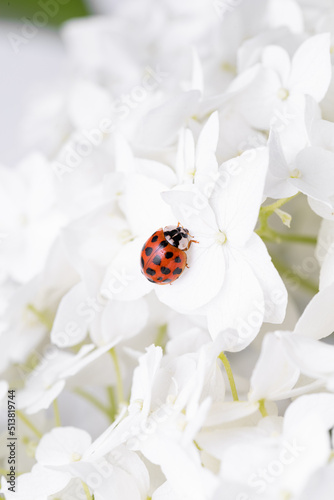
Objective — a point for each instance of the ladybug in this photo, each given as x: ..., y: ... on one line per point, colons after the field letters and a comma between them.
x: 163, y: 257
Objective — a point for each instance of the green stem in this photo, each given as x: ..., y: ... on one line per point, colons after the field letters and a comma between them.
x: 41, y: 316
x: 269, y: 234
x: 262, y: 408
x: 86, y: 490
x: 119, y: 382
x: 197, y: 445
x: 298, y: 238
x: 29, y: 424
x: 93, y: 400
x: 291, y: 276
x: 269, y: 209
x: 112, y: 403
x: 160, y: 339
x: 230, y: 377
x: 56, y: 413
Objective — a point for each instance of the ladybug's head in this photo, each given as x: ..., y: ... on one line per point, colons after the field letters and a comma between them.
x: 177, y: 236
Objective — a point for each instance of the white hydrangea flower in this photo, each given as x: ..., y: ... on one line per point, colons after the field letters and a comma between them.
x: 294, y: 148
x: 278, y: 455
x: 48, y: 380
x: 279, y: 85
x: 30, y: 218
x: 228, y: 254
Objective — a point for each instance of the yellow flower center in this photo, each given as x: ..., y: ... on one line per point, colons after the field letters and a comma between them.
x: 75, y: 457
x: 283, y: 94
x: 295, y: 174
x: 221, y: 238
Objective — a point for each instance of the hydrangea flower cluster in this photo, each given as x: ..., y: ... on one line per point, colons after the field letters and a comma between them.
x: 220, y: 385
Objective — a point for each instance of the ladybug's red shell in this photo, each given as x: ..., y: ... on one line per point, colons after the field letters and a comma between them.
x: 162, y: 262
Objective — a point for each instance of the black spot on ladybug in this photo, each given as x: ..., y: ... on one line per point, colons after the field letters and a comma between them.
x: 160, y: 278
x: 150, y: 271
x: 169, y: 255
x: 178, y: 270
x: 163, y: 244
x: 177, y: 259
x: 157, y: 260
x: 165, y: 270
x: 148, y: 251
x: 154, y: 238
x: 167, y: 280
x: 142, y: 262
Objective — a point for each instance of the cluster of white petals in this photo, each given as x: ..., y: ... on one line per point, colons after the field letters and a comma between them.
x: 211, y: 114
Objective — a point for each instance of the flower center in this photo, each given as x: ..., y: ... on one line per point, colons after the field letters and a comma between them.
x: 283, y: 94
x: 229, y: 68
x: 125, y: 236
x: 295, y: 174
x: 221, y: 238
x: 75, y: 457
x: 171, y: 398
x: 23, y: 219
x: 139, y: 403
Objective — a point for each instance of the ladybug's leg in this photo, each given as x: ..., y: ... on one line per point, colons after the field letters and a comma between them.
x: 179, y: 224
x: 192, y: 241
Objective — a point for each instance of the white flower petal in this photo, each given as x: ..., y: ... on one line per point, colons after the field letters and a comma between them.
x: 277, y: 59
x: 143, y: 206
x: 191, y: 208
x: 278, y: 165
x: 63, y: 445
x: 206, y: 162
x: 120, y: 485
x: 72, y: 319
x: 320, y: 484
x: 321, y: 406
x: 88, y: 105
x: 40, y: 483
x: 185, y: 156
x: 285, y: 13
x: 181, y: 468
x: 37, y: 401
x: 197, y: 285
x: 123, y: 319
x: 229, y: 411
x: 239, y: 305
x: 144, y: 377
x: 314, y: 359
x: 324, y: 210
x: 274, y: 373
x: 123, y: 279
x: 275, y: 293
x: 311, y: 67
x: 316, y: 167
x: 259, y: 98
x: 165, y: 492
x: 327, y: 270
x: 236, y: 199
x: 317, y: 320
x: 160, y: 126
